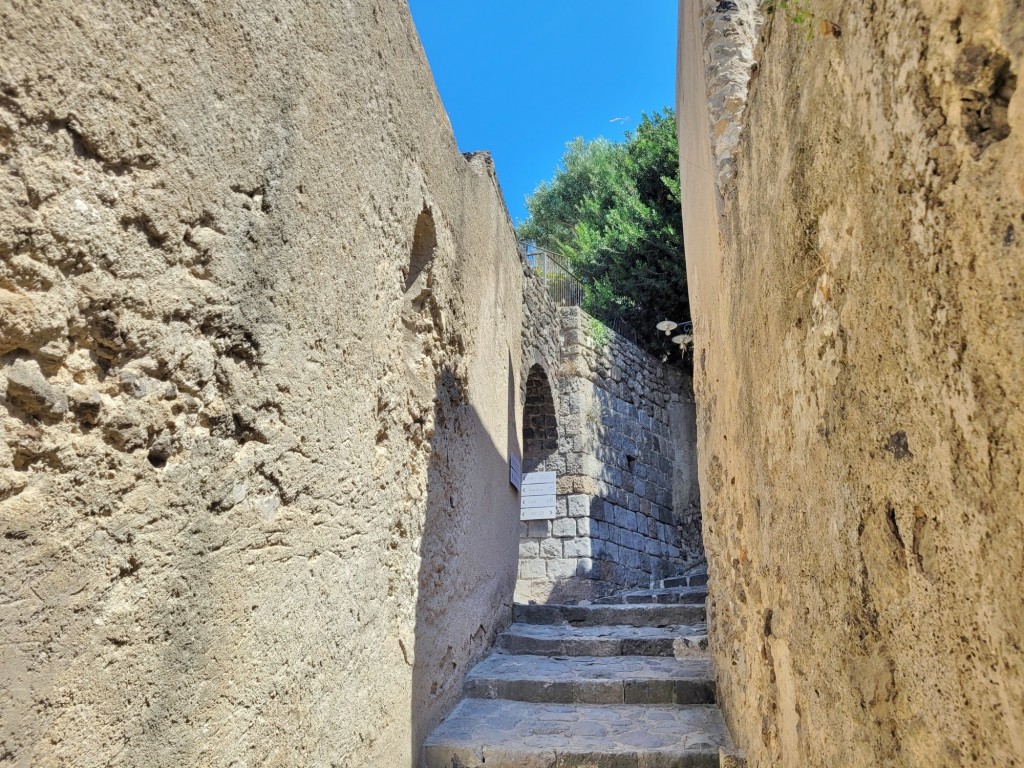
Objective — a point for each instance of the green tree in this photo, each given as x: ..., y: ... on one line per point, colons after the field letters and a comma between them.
x: 612, y: 211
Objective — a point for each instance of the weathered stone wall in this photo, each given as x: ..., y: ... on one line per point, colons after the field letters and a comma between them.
x: 540, y: 423
x: 854, y: 261
x: 542, y: 332
x: 627, y: 501
x: 259, y: 320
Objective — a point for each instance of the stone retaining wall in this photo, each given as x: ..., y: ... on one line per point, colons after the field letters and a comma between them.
x: 626, y: 465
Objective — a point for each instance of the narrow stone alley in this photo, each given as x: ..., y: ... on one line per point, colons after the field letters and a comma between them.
x: 312, y: 456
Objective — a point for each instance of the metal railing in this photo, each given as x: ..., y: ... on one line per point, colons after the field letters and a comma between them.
x: 566, y: 289
x: 563, y: 286
x: 621, y: 327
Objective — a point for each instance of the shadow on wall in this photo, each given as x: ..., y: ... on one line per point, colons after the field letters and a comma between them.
x: 460, y: 605
x: 515, y: 446
x: 571, y: 590
x: 467, y: 549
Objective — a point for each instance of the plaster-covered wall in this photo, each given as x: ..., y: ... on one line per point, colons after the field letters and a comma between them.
x: 259, y: 321
x: 854, y: 241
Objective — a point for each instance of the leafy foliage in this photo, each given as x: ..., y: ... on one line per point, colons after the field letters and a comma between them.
x: 599, y: 333
x: 612, y: 212
x: 802, y: 17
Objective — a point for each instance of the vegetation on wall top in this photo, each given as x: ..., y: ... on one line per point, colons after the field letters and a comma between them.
x: 612, y: 211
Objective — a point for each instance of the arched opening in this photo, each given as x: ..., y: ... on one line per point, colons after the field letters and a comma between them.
x: 540, y: 424
x: 424, y: 243
x: 418, y: 277
x: 419, y: 309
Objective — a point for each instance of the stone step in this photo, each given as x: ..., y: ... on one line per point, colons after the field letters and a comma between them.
x: 695, y: 580
x: 592, y: 679
x: 653, y: 615
x: 482, y: 733
x: 665, y: 596
x: 693, y: 645
x: 564, y: 640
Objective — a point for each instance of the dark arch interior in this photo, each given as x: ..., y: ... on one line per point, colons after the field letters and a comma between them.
x: 424, y: 242
x: 540, y: 425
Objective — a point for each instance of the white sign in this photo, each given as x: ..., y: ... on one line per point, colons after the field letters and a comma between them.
x: 538, y: 496
x: 515, y: 472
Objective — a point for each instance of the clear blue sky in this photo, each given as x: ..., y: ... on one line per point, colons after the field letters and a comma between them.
x: 523, y: 77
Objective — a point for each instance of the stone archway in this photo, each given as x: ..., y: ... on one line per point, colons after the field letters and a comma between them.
x: 540, y: 423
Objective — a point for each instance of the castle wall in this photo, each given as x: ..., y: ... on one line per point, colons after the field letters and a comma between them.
x: 628, y: 505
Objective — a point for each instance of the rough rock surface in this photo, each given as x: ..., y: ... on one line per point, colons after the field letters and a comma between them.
x: 855, y: 271
x: 258, y: 320
x: 30, y: 392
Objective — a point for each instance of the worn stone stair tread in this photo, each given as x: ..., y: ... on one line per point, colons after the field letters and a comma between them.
x: 592, y: 679
x: 484, y: 733
x: 695, y: 577
x: 687, y: 595
x: 692, y: 594
x: 620, y: 640
x: 675, y: 581
x: 697, y: 580
x: 643, y: 615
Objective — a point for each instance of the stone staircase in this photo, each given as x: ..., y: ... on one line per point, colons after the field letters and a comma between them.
x: 613, y: 685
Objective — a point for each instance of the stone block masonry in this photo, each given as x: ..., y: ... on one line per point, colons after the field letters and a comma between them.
x: 541, y: 331
x: 623, y: 428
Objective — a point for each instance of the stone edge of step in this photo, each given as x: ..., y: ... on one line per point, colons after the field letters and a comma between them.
x: 465, y: 756
x: 586, y: 646
x: 569, y: 640
x: 696, y: 580
x: 681, y: 692
x: 652, y: 681
x: 443, y: 750
x: 650, y: 614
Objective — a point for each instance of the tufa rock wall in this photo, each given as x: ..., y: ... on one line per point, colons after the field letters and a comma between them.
x: 854, y: 260
x: 259, y: 324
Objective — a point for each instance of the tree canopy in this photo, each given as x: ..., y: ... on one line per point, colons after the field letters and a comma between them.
x: 612, y: 212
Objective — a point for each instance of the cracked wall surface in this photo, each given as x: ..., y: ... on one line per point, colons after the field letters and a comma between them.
x: 259, y: 319
x: 854, y: 262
